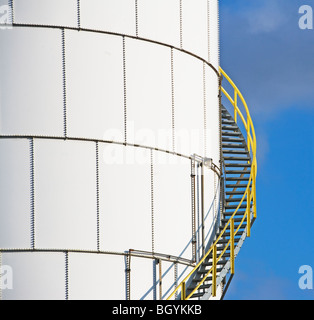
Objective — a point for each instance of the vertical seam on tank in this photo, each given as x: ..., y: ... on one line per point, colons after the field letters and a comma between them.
x: 124, y: 90
x: 64, y: 84
x: 66, y: 275
x: 127, y: 262
x: 97, y: 194
x: 181, y: 26
x: 208, y: 29
x: 175, y: 267
x: 79, y: 14
x: 152, y: 199
x: 136, y: 18
x: 172, y: 103
x: 32, y: 193
x: 11, y: 5
x: 218, y: 31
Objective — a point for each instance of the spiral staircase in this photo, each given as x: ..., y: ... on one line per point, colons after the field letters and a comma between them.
x: 238, y: 200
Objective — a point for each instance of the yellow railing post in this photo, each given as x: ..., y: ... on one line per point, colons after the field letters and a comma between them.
x: 254, y: 190
x: 232, y: 245
x: 248, y: 212
x: 248, y: 130
x: 235, y: 105
x: 214, y: 273
x: 183, y: 288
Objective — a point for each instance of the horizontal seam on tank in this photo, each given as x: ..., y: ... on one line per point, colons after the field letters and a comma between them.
x: 117, y: 34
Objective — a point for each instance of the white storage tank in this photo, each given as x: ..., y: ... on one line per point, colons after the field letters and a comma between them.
x: 109, y: 115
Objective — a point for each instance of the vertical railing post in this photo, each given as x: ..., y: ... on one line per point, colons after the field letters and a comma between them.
x: 160, y: 279
x: 232, y: 245
x: 214, y: 273
x: 183, y: 288
x: 248, y: 212
x: 254, y: 190
x: 235, y: 105
x: 203, y: 208
x: 248, y: 130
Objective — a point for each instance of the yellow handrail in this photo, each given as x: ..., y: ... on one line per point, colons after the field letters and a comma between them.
x: 249, y: 196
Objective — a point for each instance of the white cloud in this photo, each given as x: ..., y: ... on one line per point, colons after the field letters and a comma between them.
x: 267, y: 55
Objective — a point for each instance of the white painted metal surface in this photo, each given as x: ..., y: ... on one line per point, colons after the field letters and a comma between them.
x: 103, y: 104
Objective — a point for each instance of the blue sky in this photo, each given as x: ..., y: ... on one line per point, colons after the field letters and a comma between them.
x: 272, y: 61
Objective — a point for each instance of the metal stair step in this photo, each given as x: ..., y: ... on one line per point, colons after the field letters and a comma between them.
x: 226, y: 115
x: 237, y: 171
x: 208, y: 279
x: 236, y: 186
x: 238, y: 213
x: 237, y: 179
x: 197, y: 295
x: 239, y: 234
x: 234, y: 200
x: 220, y: 262
x: 228, y: 121
x: 233, y: 145
x: 205, y: 286
x: 238, y: 140
x: 224, y: 241
x: 236, y: 220
x: 229, y: 127
x: 234, y: 206
x: 228, y: 133
x: 237, y: 165
x: 237, y: 158
x: 204, y: 271
x: 237, y: 192
x: 236, y: 151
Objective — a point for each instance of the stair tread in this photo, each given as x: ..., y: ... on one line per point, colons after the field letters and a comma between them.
x: 235, y: 226
x: 235, y: 199
x: 237, y: 165
x: 237, y: 171
x: 235, y: 220
x: 237, y: 186
x: 228, y: 121
x: 223, y: 241
x: 227, y: 133
x: 235, y: 139
x: 237, y: 192
x: 238, y: 213
x: 234, y: 206
x: 235, y: 151
x: 238, y: 158
x: 230, y: 127
x: 237, y: 177
x: 233, y: 145
x: 197, y: 295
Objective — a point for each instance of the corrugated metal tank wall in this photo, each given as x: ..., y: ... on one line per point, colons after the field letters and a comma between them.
x: 102, y: 105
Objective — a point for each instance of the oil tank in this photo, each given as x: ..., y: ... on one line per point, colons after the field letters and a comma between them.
x: 110, y: 145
